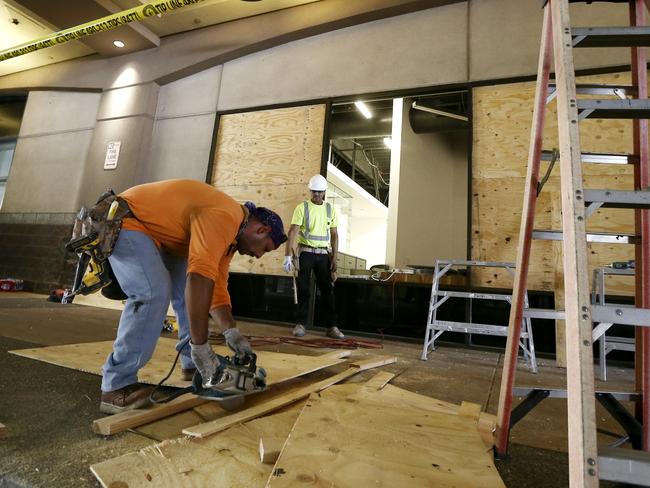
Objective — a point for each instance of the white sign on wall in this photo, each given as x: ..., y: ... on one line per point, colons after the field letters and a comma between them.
x: 112, y: 154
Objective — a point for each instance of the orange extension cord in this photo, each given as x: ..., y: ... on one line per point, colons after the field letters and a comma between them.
x: 319, y: 343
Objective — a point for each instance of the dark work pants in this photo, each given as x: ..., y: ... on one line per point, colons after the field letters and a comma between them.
x: 320, y: 264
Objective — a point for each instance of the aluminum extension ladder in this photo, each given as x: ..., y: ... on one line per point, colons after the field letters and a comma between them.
x: 586, y: 463
x: 435, y: 327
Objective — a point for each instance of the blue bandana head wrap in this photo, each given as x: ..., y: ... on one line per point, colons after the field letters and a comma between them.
x: 270, y: 218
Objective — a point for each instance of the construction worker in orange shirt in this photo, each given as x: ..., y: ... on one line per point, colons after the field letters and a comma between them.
x: 176, y: 243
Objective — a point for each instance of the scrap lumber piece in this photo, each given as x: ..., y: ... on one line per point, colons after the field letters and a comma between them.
x: 207, y: 411
x: 270, y: 448
x: 469, y: 409
x: 230, y: 459
x: 90, y: 357
x: 363, y: 440
x: 379, y: 381
x: 133, y: 418
x: 209, y: 428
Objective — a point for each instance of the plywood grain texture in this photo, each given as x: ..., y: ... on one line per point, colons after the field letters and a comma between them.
x: 502, y: 116
x: 230, y: 459
x: 267, y: 157
x: 362, y: 441
x: 90, y: 357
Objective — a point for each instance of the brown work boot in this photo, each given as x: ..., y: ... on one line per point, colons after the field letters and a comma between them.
x: 187, y: 374
x: 127, y: 398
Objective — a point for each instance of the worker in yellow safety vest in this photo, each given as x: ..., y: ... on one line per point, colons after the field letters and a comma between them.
x: 314, y: 223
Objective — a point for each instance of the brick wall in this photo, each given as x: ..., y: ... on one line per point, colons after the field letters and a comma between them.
x: 32, y: 248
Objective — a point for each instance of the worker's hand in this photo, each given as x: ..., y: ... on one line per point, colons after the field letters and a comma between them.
x: 332, y: 263
x: 237, y: 342
x: 205, y: 360
x: 288, y: 264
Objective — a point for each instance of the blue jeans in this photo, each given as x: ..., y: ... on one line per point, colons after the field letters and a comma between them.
x: 150, y: 278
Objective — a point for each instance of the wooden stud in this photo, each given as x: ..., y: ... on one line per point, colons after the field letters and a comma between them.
x: 525, y: 239
x: 209, y: 428
x: 133, y: 418
x: 583, y: 455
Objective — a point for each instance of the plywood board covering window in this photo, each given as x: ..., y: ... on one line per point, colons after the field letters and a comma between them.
x: 267, y: 157
x: 502, y: 117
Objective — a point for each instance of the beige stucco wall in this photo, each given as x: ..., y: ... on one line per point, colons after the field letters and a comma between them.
x: 167, y: 126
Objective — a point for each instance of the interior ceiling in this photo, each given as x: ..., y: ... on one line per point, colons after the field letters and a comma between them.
x: 358, y: 147
x: 25, y: 20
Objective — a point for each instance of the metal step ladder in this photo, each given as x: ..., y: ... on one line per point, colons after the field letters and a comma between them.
x: 608, y: 343
x: 436, y: 327
x: 585, y: 321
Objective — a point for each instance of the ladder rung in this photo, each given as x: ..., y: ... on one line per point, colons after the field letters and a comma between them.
x: 613, y: 314
x: 620, y: 91
x: 614, y: 109
x: 479, y: 296
x: 543, y: 313
x: 610, y: 36
x: 624, y: 465
x: 601, y: 237
x: 521, y: 391
x: 600, y: 158
x: 467, y: 328
x: 618, y: 198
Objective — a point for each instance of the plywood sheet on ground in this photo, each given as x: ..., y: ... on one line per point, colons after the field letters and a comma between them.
x: 229, y: 459
x: 90, y: 357
x: 362, y: 441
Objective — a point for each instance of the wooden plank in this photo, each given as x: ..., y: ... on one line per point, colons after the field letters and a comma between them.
x: 470, y: 410
x: 230, y: 459
x: 374, y: 363
x: 583, y: 455
x: 270, y: 448
x: 363, y: 441
x: 127, y: 420
x: 380, y: 380
x: 210, y: 428
x: 90, y: 357
x: 172, y: 427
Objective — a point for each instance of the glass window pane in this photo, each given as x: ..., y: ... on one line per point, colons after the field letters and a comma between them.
x: 2, y: 192
x: 6, y: 154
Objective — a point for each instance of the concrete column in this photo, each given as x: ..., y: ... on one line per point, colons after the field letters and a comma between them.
x: 427, y: 217
x: 46, y: 174
x: 126, y: 115
x: 184, y: 127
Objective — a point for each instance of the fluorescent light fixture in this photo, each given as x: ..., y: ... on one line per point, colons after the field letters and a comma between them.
x: 363, y: 108
x: 388, y: 142
x: 118, y: 43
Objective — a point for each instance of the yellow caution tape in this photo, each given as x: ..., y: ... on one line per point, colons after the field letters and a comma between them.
x: 100, y: 25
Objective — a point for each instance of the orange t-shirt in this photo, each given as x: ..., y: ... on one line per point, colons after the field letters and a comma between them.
x: 189, y: 218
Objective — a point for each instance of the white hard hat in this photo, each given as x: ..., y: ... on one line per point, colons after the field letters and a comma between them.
x: 317, y: 183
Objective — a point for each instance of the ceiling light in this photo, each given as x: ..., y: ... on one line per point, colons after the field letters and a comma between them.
x: 118, y: 43
x: 388, y: 142
x: 363, y: 108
